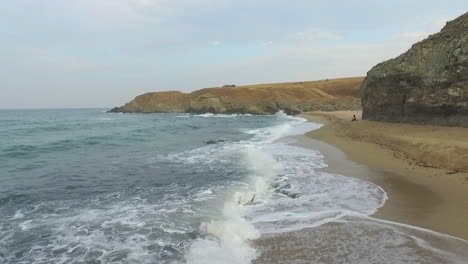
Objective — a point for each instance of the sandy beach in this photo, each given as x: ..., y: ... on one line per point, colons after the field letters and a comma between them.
x: 425, y: 215
x: 423, y: 169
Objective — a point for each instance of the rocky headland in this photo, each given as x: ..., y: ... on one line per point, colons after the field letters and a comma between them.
x: 420, y: 162
x: 292, y: 98
x: 428, y: 84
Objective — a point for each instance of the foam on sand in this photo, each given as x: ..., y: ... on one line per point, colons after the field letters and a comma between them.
x: 361, y: 239
x: 284, y: 192
x: 287, y: 193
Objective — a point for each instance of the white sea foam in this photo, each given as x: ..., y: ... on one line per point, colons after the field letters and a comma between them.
x: 203, y: 195
x: 18, y: 215
x: 303, y: 196
x: 226, y: 241
x: 109, y: 228
x: 206, y: 115
x: 286, y: 191
x: 292, y: 126
x: 221, y: 115
x: 103, y: 119
x: 244, y: 198
x: 26, y: 225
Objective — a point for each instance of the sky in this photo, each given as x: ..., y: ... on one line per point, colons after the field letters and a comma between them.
x: 102, y: 53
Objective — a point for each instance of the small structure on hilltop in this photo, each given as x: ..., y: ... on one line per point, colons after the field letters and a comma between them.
x: 229, y: 85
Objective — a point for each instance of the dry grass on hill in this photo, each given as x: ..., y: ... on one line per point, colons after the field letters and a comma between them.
x: 333, y: 94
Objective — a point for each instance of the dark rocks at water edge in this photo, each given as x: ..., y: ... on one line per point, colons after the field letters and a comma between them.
x: 428, y: 84
x: 214, y: 141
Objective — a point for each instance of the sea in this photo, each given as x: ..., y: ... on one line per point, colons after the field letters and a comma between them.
x: 87, y: 186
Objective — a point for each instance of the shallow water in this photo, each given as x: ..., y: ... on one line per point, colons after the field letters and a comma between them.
x: 360, y: 239
x: 85, y: 186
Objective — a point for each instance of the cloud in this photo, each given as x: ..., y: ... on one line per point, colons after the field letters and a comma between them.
x: 126, y: 47
x: 440, y: 22
x: 430, y: 27
x: 410, y: 36
x: 34, y: 60
x: 216, y: 43
x: 117, y: 11
x: 287, y: 62
x: 147, y: 3
x: 301, y: 35
x: 139, y: 11
x: 317, y: 34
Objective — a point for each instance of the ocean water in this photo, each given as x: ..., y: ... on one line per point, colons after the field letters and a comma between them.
x: 86, y: 186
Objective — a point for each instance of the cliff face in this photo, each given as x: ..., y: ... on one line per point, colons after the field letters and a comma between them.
x: 427, y: 84
x: 327, y: 95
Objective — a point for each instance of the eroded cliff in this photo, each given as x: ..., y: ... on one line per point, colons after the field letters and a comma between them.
x: 428, y: 84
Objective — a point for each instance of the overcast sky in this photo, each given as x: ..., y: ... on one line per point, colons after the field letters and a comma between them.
x: 102, y: 53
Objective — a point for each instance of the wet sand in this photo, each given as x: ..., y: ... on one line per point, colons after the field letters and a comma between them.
x: 355, y: 240
x: 419, y: 195
x: 420, y: 199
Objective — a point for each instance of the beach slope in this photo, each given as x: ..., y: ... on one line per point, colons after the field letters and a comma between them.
x: 422, y: 168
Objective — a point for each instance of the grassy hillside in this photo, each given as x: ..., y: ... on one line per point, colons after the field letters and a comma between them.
x: 334, y: 94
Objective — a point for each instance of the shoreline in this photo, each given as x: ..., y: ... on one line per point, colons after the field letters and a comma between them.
x: 418, y: 195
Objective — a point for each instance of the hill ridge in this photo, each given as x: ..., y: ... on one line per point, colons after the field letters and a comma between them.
x: 291, y: 97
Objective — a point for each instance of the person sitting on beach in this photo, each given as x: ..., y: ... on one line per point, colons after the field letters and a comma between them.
x: 354, y: 118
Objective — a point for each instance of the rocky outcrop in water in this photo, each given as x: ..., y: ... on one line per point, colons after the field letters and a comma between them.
x: 293, y: 98
x: 427, y: 84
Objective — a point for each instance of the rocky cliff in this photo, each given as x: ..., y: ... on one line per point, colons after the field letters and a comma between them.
x: 293, y: 98
x: 426, y: 84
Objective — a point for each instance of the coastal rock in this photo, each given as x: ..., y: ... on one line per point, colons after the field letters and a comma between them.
x: 164, y: 102
x: 213, y: 141
x: 292, y: 98
x: 428, y: 84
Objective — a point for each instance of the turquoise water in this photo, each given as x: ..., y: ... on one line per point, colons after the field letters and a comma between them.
x: 108, y: 181
x: 63, y: 154
x: 86, y: 186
